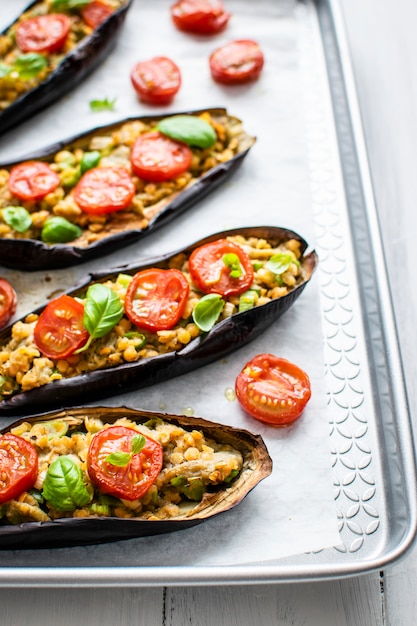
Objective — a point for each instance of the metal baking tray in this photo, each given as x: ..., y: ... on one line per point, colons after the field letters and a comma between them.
x: 372, y: 451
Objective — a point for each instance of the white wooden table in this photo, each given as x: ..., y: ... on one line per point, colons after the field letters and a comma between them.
x: 384, y: 54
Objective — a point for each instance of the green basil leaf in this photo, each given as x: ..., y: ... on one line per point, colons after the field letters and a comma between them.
x: 4, y: 70
x: 102, y: 310
x: 189, y: 129
x: 70, y: 4
x: 138, y: 443
x: 232, y: 261
x: 57, y: 229
x: 17, y: 217
x: 102, y: 105
x: 90, y: 160
x: 63, y: 486
x: 280, y: 262
x: 30, y: 64
x: 119, y: 459
x: 207, y: 311
x: 247, y: 300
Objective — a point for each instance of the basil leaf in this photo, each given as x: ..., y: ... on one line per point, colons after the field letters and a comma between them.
x: 189, y: 129
x: 247, y: 300
x: 280, y: 262
x: 102, y: 105
x: 102, y: 311
x: 207, y: 311
x: 119, y: 459
x: 232, y: 261
x: 57, y: 229
x: 70, y: 4
x: 138, y: 443
x: 64, y: 487
x: 30, y: 64
x: 17, y: 217
x: 90, y: 160
x: 4, y: 70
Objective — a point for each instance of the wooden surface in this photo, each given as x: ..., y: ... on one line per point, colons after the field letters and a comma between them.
x: 384, y: 54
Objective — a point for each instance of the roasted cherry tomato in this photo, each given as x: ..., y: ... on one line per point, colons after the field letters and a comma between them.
x: 221, y: 267
x: 273, y: 390
x: 156, y: 81
x: 205, y: 17
x: 8, y: 301
x: 19, y: 466
x: 45, y: 33
x: 32, y: 180
x: 96, y: 12
x: 239, y: 61
x: 60, y: 330
x: 157, y: 158
x: 155, y: 299
x: 131, y: 480
x: 104, y: 190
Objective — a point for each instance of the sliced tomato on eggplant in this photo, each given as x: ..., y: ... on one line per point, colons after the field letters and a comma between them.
x: 75, y: 66
x: 224, y: 337
x: 34, y: 254
x: 72, y: 531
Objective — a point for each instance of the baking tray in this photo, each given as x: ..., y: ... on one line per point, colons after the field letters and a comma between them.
x: 371, y: 440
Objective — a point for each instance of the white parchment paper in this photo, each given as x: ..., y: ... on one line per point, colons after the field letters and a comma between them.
x: 293, y: 510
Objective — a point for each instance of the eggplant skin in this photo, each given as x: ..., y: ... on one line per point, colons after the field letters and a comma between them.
x: 76, y: 66
x: 33, y: 254
x: 225, y: 337
x: 66, y: 532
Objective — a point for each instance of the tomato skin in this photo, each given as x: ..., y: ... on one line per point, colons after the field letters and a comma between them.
x: 204, y: 17
x: 237, y: 62
x: 157, y: 80
x: 104, y: 190
x: 273, y: 390
x: 157, y: 158
x: 32, y: 180
x: 119, y: 481
x: 45, y: 33
x: 60, y: 330
x: 95, y: 13
x: 211, y: 275
x: 155, y: 299
x: 8, y: 301
x: 19, y: 466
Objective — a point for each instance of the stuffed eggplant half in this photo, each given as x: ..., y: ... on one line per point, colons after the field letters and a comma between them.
x: 128, y: 329
x: 50, y: 48
x: 97, y: 474
x: 104, y: 189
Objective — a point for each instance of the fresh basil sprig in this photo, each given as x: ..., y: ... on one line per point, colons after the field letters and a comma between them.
x: 29, y: 65
x: 232, y: 261
x: 121, y: 459
x: 102, y: 105
x: 102, y: 311
x: 280, y: 262
x: 17, y: 217
x: 64, y: 486
x: 189, y: 129
x: 207, y: 311
x: 57, y: 229
x: 89, y: 160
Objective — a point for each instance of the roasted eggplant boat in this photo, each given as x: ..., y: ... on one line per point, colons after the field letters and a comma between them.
x: 49, y: 49
x: 104, y: 189
x: 129, y: 328
x: 97, y: 474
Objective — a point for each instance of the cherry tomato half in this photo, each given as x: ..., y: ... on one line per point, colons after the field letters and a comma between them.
x: 156, y: 81
x: 130, y: 481
x: 221, y: 267
x: 19, y: 466
x: 205, y: 17
x: 273, y: 390
x: 155, y: 299
x: 95, y: 13
x: 236, y: 62
x: 32, y: 180
x: 8, y: 301
x: 60, y: 330
x: 157, y: 158
x: 45, y: 33
x: 104, y: 190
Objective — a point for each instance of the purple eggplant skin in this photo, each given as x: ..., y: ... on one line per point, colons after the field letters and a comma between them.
x: 257, y: 465
x: 76, y: 66
x: 31, y: 255
x: 225, y: 337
